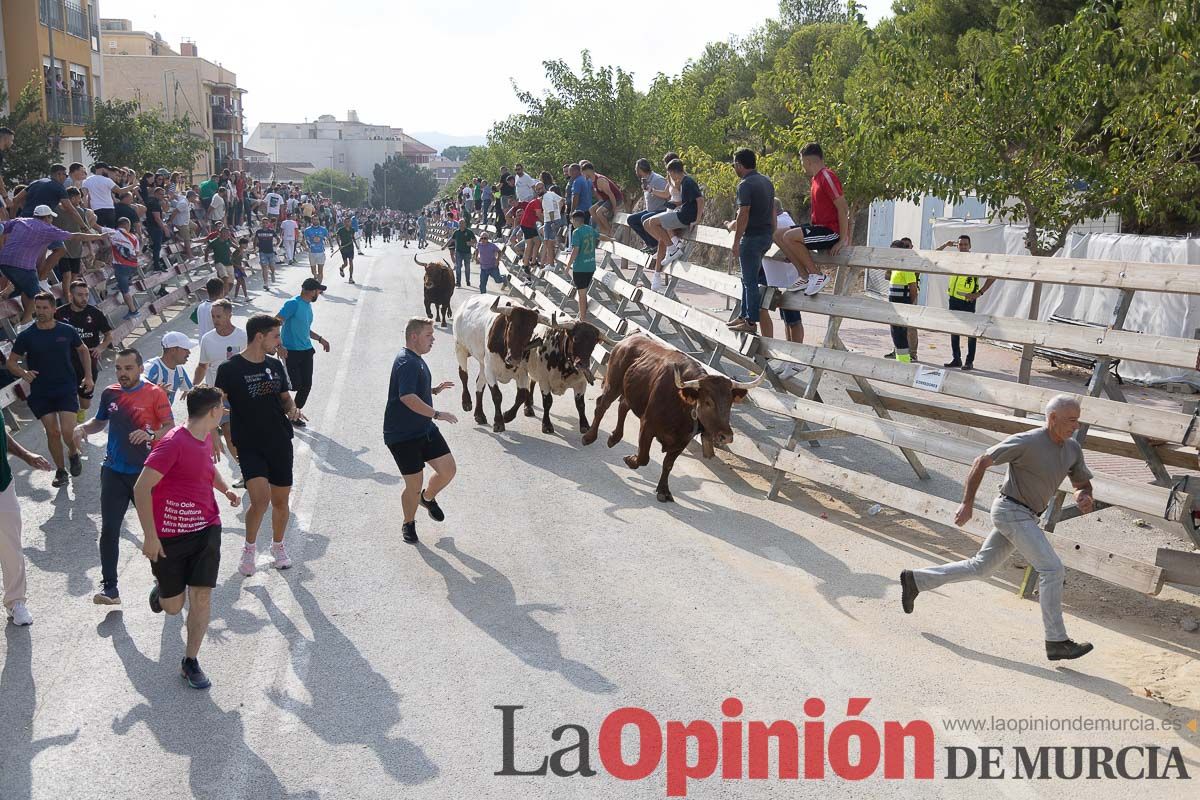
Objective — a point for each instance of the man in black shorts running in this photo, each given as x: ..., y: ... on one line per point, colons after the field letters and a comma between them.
x: 261, y: 411
x: 94, y: 330
x: 345, y: 235
x: 181, y: 525
x: 409, y: 430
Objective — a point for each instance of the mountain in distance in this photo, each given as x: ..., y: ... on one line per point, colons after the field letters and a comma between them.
x: 440, y: 141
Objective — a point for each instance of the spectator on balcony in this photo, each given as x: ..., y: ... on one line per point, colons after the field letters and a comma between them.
x: 101, y: 189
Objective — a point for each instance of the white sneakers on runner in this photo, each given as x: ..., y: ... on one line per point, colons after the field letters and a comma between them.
x: 279, y: 553
x: 246, y: 566
x: 20, y: 615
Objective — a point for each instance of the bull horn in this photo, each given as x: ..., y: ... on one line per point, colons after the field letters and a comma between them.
x: 418, y: 260
x: 750, y: 384
x: 566, y: 325
x: 682, y: 384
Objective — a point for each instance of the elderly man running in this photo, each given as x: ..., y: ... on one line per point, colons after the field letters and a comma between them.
x: 1038, y: 460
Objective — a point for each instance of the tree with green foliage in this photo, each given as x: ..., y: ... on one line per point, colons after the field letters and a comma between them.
x: 457, y: 152
x: 398, y: 183
x: 348, y: 190
x: 122, y: 132
x: 35, y: 141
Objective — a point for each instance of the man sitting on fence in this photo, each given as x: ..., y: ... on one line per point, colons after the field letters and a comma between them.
x: 830, y: 227
x: 1038, y: 460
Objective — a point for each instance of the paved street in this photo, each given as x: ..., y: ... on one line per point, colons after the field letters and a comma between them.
x: 557, y: 582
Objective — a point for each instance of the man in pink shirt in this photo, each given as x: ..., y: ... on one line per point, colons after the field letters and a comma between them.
x: 181, y: 524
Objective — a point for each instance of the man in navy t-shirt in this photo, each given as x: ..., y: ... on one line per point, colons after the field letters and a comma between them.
x: 409, y: 430
x: 46, y: 348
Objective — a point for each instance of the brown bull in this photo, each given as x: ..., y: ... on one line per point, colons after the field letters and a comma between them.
x: 672, y: 396
x: 439, y: 288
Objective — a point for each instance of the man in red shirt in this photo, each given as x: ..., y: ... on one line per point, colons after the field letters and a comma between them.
x: 830, y: 226
x: 531, y: 218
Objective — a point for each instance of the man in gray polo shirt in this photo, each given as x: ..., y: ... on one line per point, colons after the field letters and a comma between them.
x: 1038, y: 460
x: 655, y: 194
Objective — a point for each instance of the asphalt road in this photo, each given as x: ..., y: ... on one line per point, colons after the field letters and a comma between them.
x: 373, y: 668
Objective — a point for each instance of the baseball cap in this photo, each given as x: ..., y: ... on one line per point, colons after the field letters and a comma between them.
x: 44, y: 211
x: 310, y: 284
x: 177, y: 339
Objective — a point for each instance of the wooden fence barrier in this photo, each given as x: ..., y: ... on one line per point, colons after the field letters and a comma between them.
x: 1160, y: 437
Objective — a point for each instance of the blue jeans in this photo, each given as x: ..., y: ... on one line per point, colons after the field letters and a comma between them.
x: 635, y: 224
x: 1013, y: 527
x: 462, y: 261
x: 753, y: 248
x: 492, y: 273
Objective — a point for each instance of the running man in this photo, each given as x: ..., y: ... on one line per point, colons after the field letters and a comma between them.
x: 288, y: 229
x: 265, y: 240
x: 315, y: 236
x: 94, y: 330
x: 296, y: 339
x: 217, y: 346
x: 261, y: 411
x: 47, y: 348
x: 345, y: 235
x: 140, y: 415
x: 1038, y: 460
x: 409, y: 430
x: 181, y: 525
x: 170, y: 369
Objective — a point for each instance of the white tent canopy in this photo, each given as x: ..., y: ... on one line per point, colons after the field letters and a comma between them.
x: 1159, y: 313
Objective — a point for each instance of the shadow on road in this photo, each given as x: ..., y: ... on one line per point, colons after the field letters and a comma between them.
x: 351, y: 702
x: 489, y: 602
x: 70, y: 546
x: 596, y: 471
x: 18, y: 703
x: 189, y: 723
x: 342, y: 461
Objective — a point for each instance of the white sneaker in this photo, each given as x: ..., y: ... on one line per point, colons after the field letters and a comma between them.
x: 815, y: 283
x: 246, y: 567
x: 279, y: 553
x: 20, y: 615
x: 674, y: 253
x: 801, y: 283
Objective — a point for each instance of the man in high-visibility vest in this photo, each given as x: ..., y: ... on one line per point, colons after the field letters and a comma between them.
x: 964, y: 290
x: 903, y: 289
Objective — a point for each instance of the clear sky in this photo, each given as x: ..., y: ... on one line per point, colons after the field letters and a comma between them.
x: 424, y: 65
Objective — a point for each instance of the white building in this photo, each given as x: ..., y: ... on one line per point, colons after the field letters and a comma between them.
x: 444, y: 169
x: 348, y: 146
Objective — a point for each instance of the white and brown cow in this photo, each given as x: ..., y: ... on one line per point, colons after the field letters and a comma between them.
x: 497, y: 336
x: 559, y: 357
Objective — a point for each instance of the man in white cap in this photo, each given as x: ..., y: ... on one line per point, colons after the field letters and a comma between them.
x: 25, y: 242
x: 168, y: 370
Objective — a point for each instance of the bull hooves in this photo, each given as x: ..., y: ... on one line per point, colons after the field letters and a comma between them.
x: 482, y: 420
x: 498, y: 427
x: 665, y: 497
x: 529, y: 412
x: 547, y: 428
x: 466, y: 405
x: 588, y: 438
x: 612, y: 441
x: 584, y: 428
x: 630, y: 461
x: 510, y: 416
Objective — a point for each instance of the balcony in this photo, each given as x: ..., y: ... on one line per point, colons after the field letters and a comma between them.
x: 77, y: 20
x: 69, y: 109
x: 223, y: 120
x: 50, y: 14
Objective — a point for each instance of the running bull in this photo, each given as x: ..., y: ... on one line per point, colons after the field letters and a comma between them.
x: 439, y: 288
x: 498, y: 338
x: 559, y: 355
x: 672, y: 396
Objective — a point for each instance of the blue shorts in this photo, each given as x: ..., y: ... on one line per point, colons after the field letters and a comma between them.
x: 25, y: 280
x: 125, y: 277
x: 265, y: 259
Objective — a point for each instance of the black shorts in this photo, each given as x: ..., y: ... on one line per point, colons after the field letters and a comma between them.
x: 274, y: 464
x: 59, y: 402
x: 530, y: 233
x: 67, y: 264
x: 412, y: 456
x: 348, y: 253
x: 191, y: 560
x: 818, y: 237
x: 582, y: 280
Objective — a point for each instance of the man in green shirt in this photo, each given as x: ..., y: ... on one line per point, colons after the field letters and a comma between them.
x: 462, y: 240
x: 582, y: 261
x: 345, y: 235
x: 12, y: 560
x: 207, y: 190
x: 221, y: 244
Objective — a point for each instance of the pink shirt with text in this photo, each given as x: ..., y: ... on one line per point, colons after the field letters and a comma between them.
x: 183, y: 500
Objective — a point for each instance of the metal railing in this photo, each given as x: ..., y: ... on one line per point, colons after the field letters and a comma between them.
x: 69, y: 109
x: 223, y: 120
x: 77, y: 20
x: 50, y: 13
